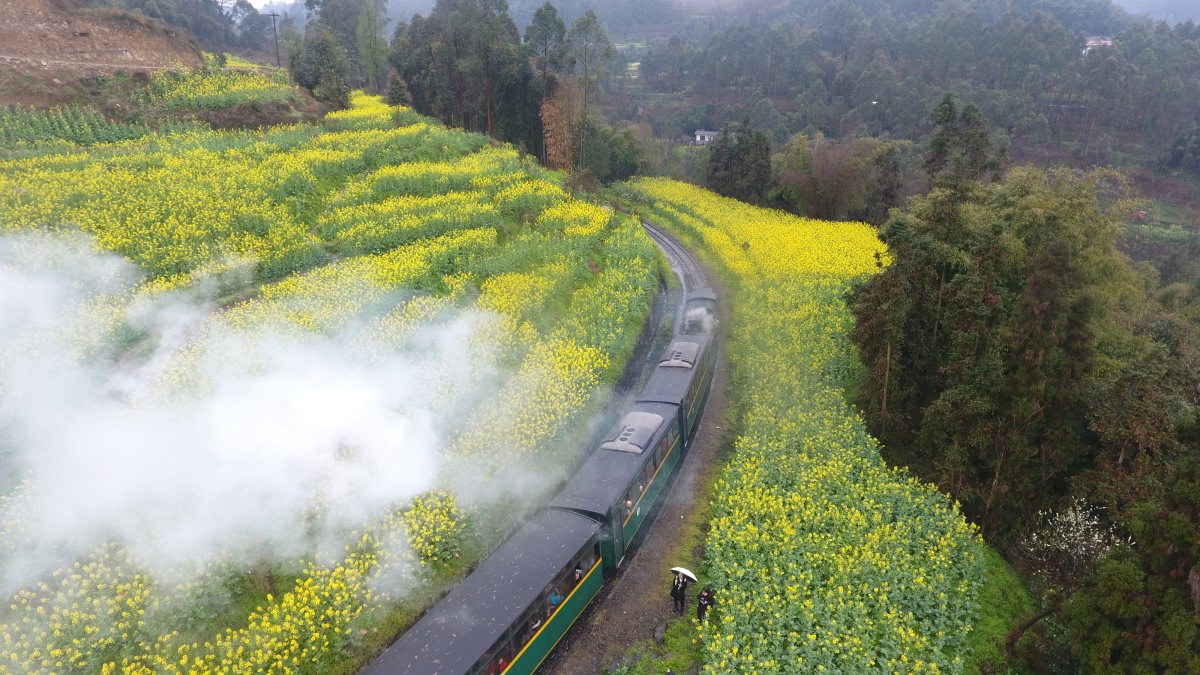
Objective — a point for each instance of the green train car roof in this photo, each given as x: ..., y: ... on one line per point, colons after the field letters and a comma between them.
x: 455, y: 633
x: 671, y: 378
x: 601, y: 482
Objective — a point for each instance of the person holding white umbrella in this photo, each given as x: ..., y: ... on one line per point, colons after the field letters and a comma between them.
x: 679, y: 586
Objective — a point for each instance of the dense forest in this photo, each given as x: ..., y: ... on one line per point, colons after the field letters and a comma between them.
x: 868, y: 67
x: 1174, y: 11
x: 1016, y: 358
x: 217, y: 24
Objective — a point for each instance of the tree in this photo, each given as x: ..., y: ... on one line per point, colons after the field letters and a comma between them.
x: 984, y: 338
x: 823, y: 179
x: 883, y: 192
x: 1185, y: 151
x: 558, y: 115
x: 589, y: 50
x: 319, y: 64
x: 960, y: 151
x: 465, y: 64
x: 1063, y: 552
x: 546, y: 37
x: 372, y: 47
x: 1138, y: 613
x: 739, y: 164
x: 340, y: 19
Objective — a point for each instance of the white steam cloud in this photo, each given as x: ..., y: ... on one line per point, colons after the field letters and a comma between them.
x: 197, y: 440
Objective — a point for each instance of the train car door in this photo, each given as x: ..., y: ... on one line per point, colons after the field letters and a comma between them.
x: 616, y: 522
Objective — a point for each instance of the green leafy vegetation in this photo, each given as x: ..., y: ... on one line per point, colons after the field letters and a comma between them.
x: 72, y: 124
x: 1016, y: 359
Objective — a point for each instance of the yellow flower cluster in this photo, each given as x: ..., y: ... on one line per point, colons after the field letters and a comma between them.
x: 82, y: 615
x: 369, y: 112
x: 556, y: 379
x: 434, y: 525
x: 209, y: 89
x: 523, y: 198
x: 575, y: 218
x: 379, y: 226
x: 825, y: 559
x: 490, y: 170
x: 324, y: 299
x: 301, y: 631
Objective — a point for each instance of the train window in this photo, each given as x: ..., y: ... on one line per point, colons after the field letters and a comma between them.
x: 530, y: 626
x: 504, y: 657
x: 554, y: 596
x: 495, y: 661
x: 568, y: 584
x: 587, y: 559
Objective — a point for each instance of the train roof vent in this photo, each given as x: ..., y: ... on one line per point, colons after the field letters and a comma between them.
x: 680, y: 355
x: 633, y: 433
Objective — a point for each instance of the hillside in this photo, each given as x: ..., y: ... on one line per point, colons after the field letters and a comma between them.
x: 46, y: 47
x: 346, y: 325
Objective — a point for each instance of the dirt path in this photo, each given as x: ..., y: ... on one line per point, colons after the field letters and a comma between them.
x: 630, y: 606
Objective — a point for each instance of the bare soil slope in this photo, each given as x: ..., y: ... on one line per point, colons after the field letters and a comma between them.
x: 46, y: 47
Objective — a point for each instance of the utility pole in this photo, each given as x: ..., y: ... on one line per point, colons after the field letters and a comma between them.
x: 274, y: 32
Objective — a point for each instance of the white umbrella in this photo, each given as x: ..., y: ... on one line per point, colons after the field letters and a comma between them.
x: 685, y: 572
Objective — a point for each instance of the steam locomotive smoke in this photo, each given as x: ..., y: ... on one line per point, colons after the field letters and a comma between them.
x: 699, y: 320
x: 267, y: 428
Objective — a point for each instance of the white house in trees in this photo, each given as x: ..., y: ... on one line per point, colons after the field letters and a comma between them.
x: 704, y: 136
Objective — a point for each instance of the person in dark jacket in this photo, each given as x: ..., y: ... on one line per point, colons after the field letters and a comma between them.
x: 704, y: 601
x: 679, y: 591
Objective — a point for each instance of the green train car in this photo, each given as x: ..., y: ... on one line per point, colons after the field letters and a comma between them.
x: 508, y: 615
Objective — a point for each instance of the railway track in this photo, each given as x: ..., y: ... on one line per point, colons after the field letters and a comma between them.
x: 686, y: 267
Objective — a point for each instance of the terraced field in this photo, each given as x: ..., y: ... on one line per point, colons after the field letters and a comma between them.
x: 481, y: 303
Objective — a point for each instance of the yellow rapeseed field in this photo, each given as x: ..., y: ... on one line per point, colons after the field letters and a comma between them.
x: 377, y: 216
x: 822, y: 557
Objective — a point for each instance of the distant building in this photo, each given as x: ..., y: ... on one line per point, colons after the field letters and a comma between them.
x: 1094, y: 42
x: 704, y: 136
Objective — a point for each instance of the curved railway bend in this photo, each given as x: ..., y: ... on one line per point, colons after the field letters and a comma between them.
x: 631, y: 605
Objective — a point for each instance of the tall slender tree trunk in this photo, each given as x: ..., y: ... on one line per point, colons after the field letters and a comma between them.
x: 887, y: 372
x: 487, y: 87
